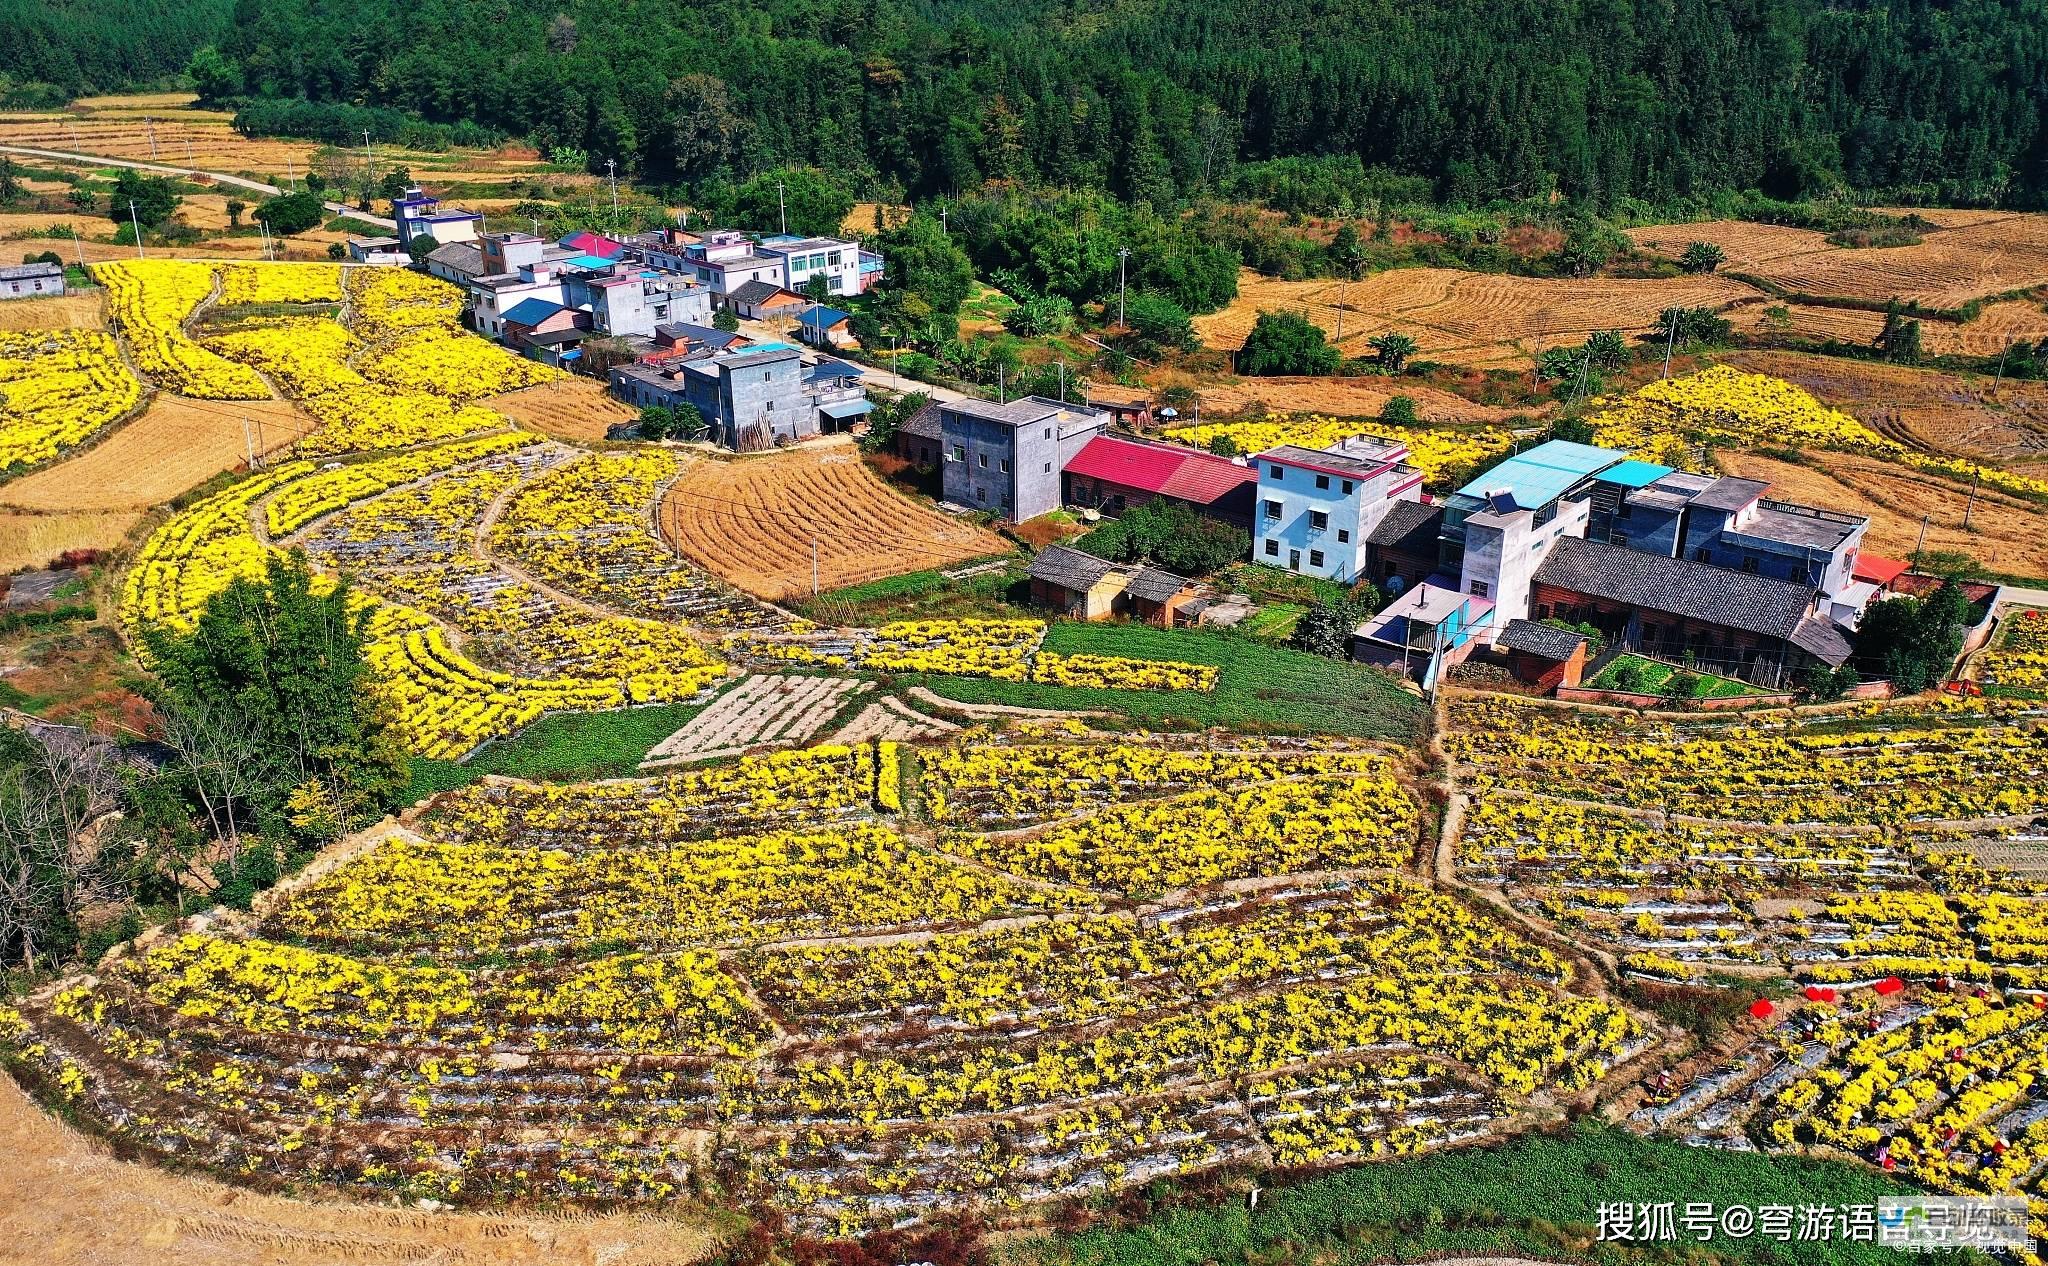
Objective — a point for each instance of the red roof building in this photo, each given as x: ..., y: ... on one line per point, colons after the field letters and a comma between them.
x: 1113, y: 474
x: 1882, y: 572
x: 585, y: 242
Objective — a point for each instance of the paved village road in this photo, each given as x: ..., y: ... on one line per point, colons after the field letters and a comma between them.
x: 165, y: 169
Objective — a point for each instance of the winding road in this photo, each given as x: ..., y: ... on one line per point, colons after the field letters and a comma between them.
x: 165, y: 169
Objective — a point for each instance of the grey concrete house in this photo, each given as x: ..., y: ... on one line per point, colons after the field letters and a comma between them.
x: 1008, y: 457
x: 31, y: 281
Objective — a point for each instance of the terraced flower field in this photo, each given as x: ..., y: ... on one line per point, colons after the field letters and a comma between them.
x: 765, y: 978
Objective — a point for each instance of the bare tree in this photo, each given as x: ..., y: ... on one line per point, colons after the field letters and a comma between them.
x: 53, y: 806
x: 219, y: 757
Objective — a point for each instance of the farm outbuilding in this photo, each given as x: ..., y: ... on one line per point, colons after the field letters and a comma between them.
x: 1085, y: 587
x: 32, y: 281
x: 1543, y: 655
x: 1114, y: 474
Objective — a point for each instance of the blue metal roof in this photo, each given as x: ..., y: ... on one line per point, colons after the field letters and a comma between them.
x: 820, y: 317
x: 1635, y: 474
x: 592, y: 261
x: 827, y: 370
x: 1544, y: 473
x: 532, y: 312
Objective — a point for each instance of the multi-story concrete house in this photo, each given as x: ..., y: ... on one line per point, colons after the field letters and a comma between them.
x: 1008, y: 458
x: 1316, y: 506
x: 723, y: 261
x: 753, y: 397
x: 418, y: 214
x: 803, y: 258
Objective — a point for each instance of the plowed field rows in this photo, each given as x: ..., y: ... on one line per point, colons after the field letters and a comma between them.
x: 1944, y: 412
x: 571, y: 409
x: 176, y: 444
x: 178, y: 141
x: 753, y: 522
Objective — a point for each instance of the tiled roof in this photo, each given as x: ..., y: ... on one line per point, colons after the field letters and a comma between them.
x: 756, y: 292
x: 588, y: 243
x: 1677, y: 586
x: 1542, y: 640
x: 1163, y: 469
x: 925, y: 423
x: 1069, y: 568
x: 22, y: 272
x: 1152, y: 584
x: 1823, y: 639
x: 1408, y: 525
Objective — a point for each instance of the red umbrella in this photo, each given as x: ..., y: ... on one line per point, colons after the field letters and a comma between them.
x: 1761, y: 1008
x: 1890, y: 985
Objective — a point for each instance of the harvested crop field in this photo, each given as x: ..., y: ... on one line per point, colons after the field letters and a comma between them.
x: 1482, y: 320
x: 752, y: 522
x: 1968, y: 256
x: 1927, y: 408
x: 187, y: 140
x: 176, y: 444
x: 2006, y: 533
x: 1342, y: 398
x: 568, y: 408
x: 79, y: 310
x: 68, y: 1201
x: 33, y: 540
x: 777, y: 708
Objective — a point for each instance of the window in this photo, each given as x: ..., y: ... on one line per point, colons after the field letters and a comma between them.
x: 1343, y: 536
x: 1272, y: 509
x: 1277, y: 473
x: 959, y: 452
x: 1317, y: 520
x: 1272, y: 547
x: 1294, y: 560
x: 1315, y: 558
x: 1348, y: 485
x: 983, y: 458
x: 1479, y: 589
x: 1048, y: 432
x: 1003, y: 465
x: 980, y: 493
x: 1048, y: 468
x: 1749, y: 565
x: 833, y: 258
x: 1322, y: 481
x: 1701, y: 554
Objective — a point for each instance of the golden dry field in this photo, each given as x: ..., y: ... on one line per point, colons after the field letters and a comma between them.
x: 1970, y: 255
x: 1342, y: 398
x: 176, y: 444
x: 79, y: 310
x: 33, y: 540
x: 569, y: 409
x: 752, y: 521
x: 182, y: 138
x: 1480, y: 320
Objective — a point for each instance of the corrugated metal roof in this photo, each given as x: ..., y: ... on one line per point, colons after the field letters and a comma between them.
x: 1165, y: 469
x: 1634, y: 474
x: 1544, y: 473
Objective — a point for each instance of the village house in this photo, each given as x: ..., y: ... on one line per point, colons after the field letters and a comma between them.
x: 839, y: 263
x: 1083, y: 587
x: 753, y: 397
x: 821, y: 326
x: 1424, y: 632
x: 31, y: 281
x: 1008, y: 457
x: 765, y: 301
x: 1114, y: 474
x: 723, y: 261
x: 1318, y: 505
x: 378, y: 252
x: 457, y: 262
x: 417, y: 214
x: 920, y: 438
x: 1731, y: 622
x: 1497, y: 529
x: 1401, y: 550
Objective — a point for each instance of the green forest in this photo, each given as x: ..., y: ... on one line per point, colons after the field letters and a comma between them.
x: 1603, y: 102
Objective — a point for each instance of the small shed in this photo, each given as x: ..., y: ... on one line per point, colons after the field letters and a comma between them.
x: 1156, y: 596
x: 1543, y: 655
x: 761, y: 300
x: 1075, y: 583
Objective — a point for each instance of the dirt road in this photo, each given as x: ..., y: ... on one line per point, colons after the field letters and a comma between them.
x: 64, y: 1201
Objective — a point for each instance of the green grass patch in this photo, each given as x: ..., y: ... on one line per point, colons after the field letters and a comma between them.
x: 565, y: 747
x: 1276, y: 621
x: 1260, y: 686
x: 926, y: 595
x: 1538, y: 1195
x: 1655, y: 676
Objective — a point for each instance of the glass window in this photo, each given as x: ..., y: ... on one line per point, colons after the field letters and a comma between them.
x: 1479, y: 589
x: 1272, y: 547
x: 1315, y: 558
x: 959, y: 452
x: 1003, y: 465
x: 1317, y: 520
x: 1048, y: 432
x: 984, y: 460
x: 1048, y: 468
x: 1347, y: 487
x: 1343, y: 536
x: 833, y: 258
x: 1277, y: 473
x: 1272, y: 509
x: 1322, y: 481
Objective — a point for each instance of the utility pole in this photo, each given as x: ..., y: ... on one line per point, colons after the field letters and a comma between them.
x: 1971, y: 504
x: 781, y: 210
x: 1002, y: 384
x: 133, y: 223
x: 248, y: 443
x: 1922, y: 542
x: 77, y: 245
x: 814, y: 567
x: 1670, y: 338
x: 369, y: 163
x: 2001, y: 363
x: 149, y: 125
x: 1121, y: 256
x: 895, y: 374
x: 1063, y: 381
x: 611, y: 171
